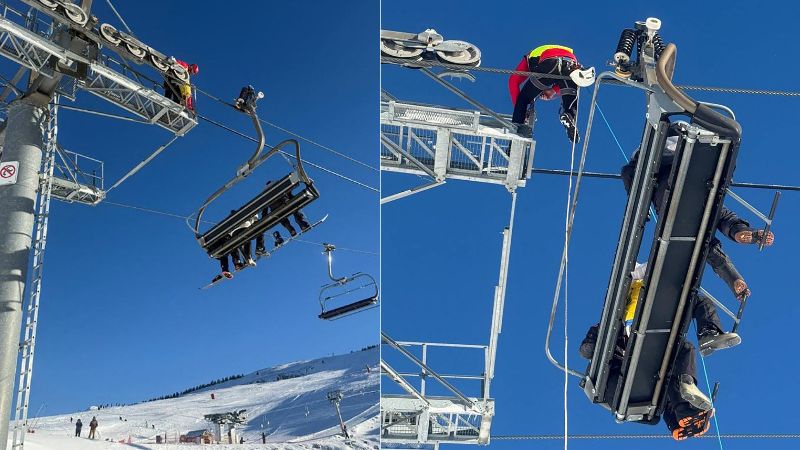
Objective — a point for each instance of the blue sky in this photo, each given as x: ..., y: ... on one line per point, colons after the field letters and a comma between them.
x: 441, y: 248
x: 122, y: 318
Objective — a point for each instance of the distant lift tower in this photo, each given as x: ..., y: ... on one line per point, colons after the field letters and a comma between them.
x: 59, y: 49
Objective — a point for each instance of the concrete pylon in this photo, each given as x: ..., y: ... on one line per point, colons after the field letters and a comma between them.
x: 23, y: 143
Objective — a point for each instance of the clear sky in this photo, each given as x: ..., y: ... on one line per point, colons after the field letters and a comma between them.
x: 122, y: 318
x: 441, y: 248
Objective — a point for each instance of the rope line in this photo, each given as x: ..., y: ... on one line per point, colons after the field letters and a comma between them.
x: 552, y: 437
x: 317, y: 166
x: 303, y: 138
x: 407, y: 62
x: 566, y: 278
x: 621, y: 150
x: 428, y: 64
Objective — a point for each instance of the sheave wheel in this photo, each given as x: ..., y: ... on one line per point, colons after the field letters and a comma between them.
x: 458, y: 52
x: 76, y: 14
x: 109, y: 33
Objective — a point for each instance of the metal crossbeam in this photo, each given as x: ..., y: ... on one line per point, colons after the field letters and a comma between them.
x: 445, y: 143
x: 133, y: 97
x: 34, y: 52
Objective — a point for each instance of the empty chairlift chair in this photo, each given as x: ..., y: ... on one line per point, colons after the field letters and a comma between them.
x: 217, y: 241
x: 355, y: 293
x: 634, y: 388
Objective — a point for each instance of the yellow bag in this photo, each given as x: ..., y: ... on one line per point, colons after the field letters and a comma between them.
x: 186, y: 90
x: 633, y: 298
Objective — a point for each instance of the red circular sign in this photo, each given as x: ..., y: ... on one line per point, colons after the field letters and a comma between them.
x: 7, y: 171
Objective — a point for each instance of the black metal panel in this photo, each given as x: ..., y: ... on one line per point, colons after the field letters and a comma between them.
x: 629, y: 238
x: 218, y: 242
x: 661, y: 302
x: 347, y: 309
x: 273, y: 192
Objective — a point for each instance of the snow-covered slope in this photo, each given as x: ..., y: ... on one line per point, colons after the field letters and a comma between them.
x: 288, y: 403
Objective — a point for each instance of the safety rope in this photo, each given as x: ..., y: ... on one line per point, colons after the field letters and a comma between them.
x: 566, y: 276
x: 621, y: 150
x: 303, y: 138
x: 708, y: 387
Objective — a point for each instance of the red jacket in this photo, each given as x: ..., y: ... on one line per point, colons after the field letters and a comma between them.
x: 515, y: 81
x: 538, y: 54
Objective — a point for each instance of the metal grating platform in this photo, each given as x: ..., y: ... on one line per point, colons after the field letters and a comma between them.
x: 451, y: 143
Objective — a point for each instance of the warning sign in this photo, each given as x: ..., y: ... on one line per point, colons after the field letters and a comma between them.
x: 8, y: 172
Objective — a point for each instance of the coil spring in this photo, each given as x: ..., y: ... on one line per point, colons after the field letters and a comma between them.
x: 626, y: 42
x: 658, y: 45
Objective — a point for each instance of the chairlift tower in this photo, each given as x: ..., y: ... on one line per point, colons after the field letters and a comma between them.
x: 477, y: 145
x: 335, y: 397
x: 58, y: 45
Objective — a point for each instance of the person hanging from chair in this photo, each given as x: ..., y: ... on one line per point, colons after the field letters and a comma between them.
x: 241, y: 255
x: 180, y: 91
x: 298, y: 215
x: 688, y: 409
x: 729, y: 224
x: 560, y: 62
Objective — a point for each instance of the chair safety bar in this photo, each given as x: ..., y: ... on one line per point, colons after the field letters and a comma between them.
x: 704, y: 163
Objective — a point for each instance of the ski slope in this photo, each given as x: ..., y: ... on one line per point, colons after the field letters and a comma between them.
x: 292, y: 412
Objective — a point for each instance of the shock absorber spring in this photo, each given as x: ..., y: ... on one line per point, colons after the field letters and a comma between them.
x: 658, y: 45
x: 625, y: 46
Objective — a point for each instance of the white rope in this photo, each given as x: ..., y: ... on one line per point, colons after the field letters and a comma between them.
x: 566, y: 280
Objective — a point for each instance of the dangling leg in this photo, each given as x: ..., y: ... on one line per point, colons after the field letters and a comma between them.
x: 301, y: 220
x: 526, y: 96
x: 569, y: 108
x: 286, y: 224
x: 246, y: 249
x: 710, y: 336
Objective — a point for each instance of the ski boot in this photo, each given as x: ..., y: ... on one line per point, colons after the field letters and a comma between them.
x: 303, y: 223
x: 589, y: 342
x: 278, y: 238
x: 291, y: 230
x: 524, y: 130
x: 712, y: 340
x: 569, y: 124
x: 250, y: 262
x: 692, y: 394
x: 694, y: 425
x: 261, y: 251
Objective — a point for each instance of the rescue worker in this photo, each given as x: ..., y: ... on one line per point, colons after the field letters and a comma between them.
x: 298, y: 215
x: 247, y: 99
x: 93, y: 428
x: 177, y: 90
x: 553, y: 60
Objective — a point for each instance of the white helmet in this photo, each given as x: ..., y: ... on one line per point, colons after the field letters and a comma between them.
x: 583, y: 77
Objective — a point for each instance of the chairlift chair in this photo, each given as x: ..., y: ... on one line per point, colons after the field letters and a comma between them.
x: 635, y: 388
x: 346, y: 288
x: 217, y: 241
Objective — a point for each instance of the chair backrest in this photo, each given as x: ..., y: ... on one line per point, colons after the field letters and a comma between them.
x: 218, y: 241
